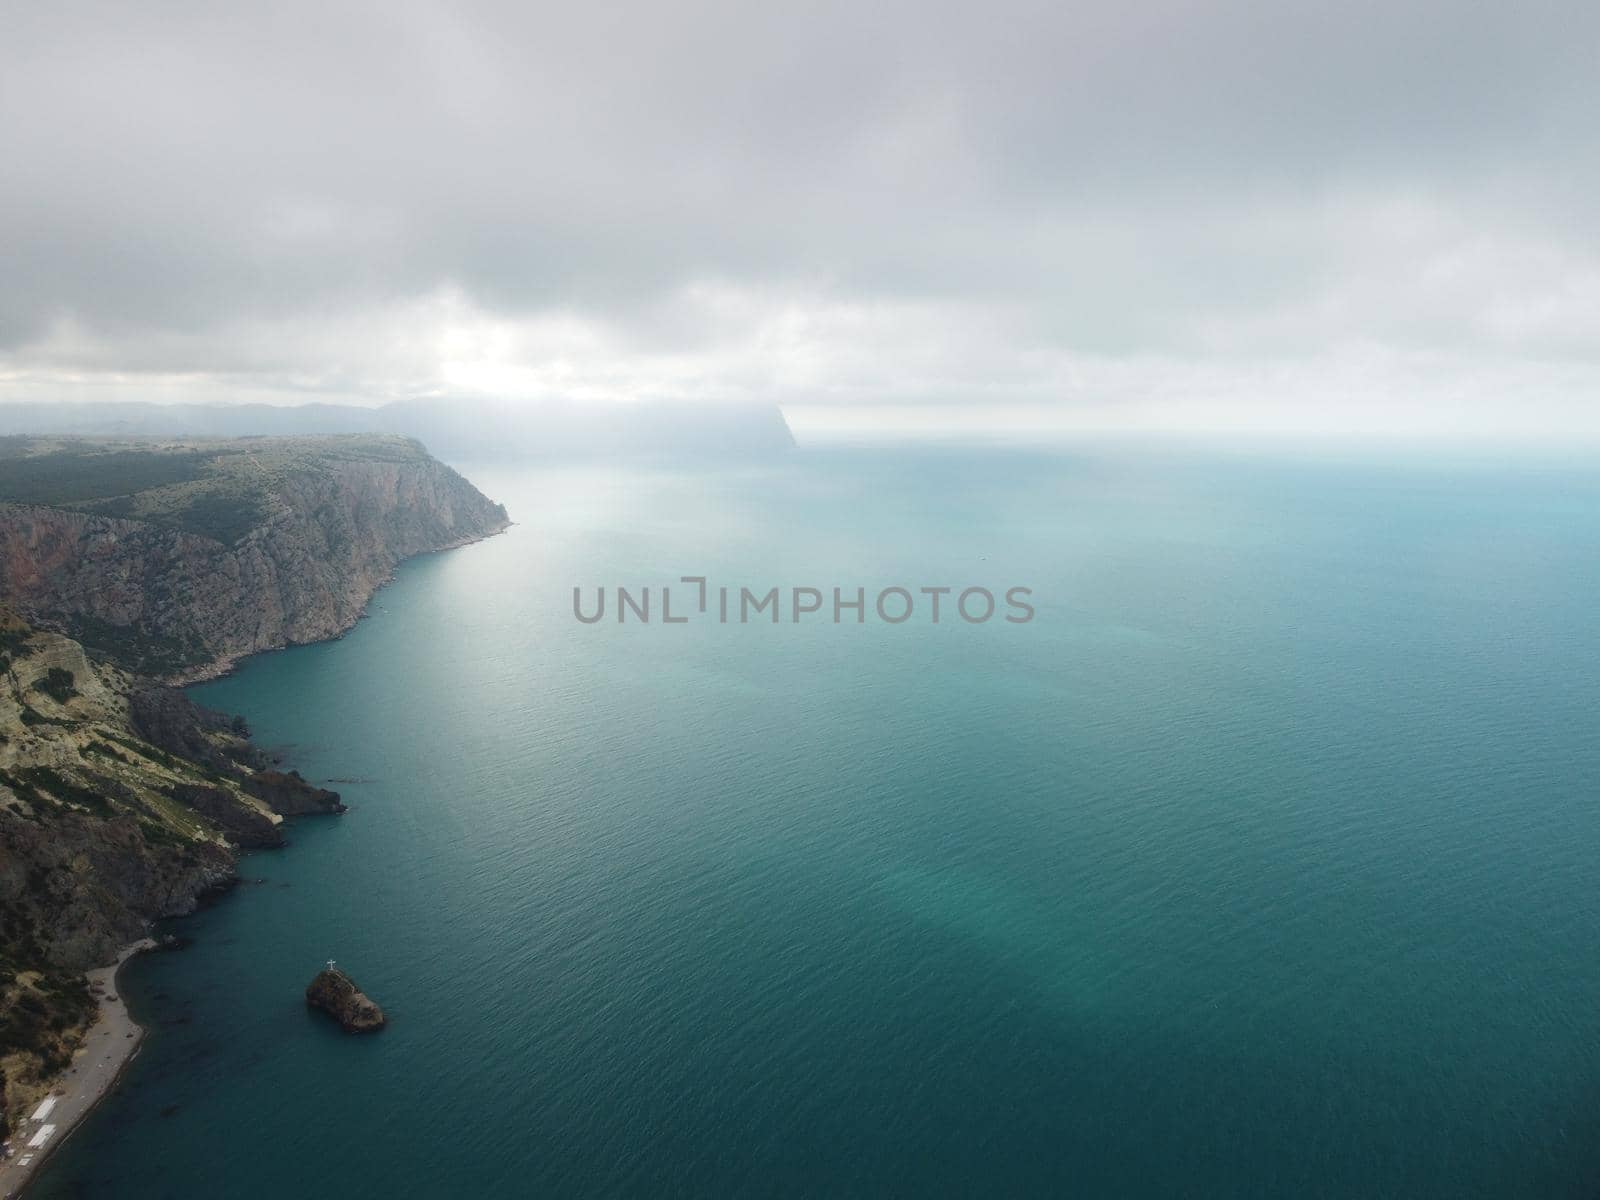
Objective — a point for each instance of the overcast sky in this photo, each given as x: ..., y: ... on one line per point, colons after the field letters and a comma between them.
x: 1172, y: 215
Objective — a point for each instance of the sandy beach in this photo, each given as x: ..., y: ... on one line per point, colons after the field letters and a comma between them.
x: 111, y: 1043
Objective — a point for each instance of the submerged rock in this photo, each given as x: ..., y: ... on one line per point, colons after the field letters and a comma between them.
x: 336, y: 993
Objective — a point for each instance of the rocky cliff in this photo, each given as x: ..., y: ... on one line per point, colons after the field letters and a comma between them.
x: 104, y: 828
x: 121, y: 801
x: 233, y: 548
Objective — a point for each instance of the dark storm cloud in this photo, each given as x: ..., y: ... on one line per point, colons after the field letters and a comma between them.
x: 280, y: 194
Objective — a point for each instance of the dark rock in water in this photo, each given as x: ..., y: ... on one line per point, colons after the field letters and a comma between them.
x: 287, y: 794
x: 336, y: 993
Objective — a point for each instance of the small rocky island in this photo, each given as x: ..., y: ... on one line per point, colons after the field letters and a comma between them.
x: 336, y: 993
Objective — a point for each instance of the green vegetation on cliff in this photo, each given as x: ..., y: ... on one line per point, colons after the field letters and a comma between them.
x: 39, y: 471
x: 214, y: 489
x: 126, y: 563
x: 120, y: 802
x: 175, y: 558
x: 58, y: 684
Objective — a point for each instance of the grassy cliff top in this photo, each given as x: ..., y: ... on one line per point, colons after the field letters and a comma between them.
x: 218, y: 488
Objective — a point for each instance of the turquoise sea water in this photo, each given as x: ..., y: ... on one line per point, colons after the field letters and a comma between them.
x: 1264, y: 862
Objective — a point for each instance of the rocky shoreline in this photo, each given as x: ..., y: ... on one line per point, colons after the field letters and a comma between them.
x: 258, y: 544
x: 121, y: 801
x: 223, y: 667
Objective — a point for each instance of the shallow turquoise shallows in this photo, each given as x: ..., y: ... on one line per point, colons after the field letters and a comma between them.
x: 1264, y: 862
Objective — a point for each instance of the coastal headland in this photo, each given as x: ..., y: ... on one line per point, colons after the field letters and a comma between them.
x: 128, y: 568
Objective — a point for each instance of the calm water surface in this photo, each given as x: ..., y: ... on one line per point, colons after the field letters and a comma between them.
x: 1264, y: 862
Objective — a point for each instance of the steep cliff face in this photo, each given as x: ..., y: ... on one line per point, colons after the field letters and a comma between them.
x: 101, y: 832
x: 265, y: 543
x: 121, y: 801
x: 102, y: 827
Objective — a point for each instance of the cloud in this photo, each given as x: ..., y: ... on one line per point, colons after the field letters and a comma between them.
x: 1084, y: 209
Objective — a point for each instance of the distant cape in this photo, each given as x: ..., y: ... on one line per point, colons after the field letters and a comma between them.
x: 465, y: 430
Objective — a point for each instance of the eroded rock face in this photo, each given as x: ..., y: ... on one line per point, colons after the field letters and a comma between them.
x: 247, y: 828
x: 289, y: 795
x: 171, y: 603
x: 336, y: 994
x: 165, y: 717
x: 77, y: 887
x: 100, y: 833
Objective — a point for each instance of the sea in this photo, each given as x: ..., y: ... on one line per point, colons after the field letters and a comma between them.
x: 1262, y: 861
